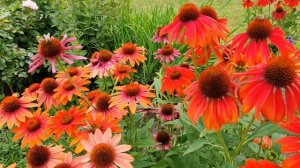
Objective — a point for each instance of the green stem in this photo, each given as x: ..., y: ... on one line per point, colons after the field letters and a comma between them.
x: 260, y: 146
x: 226, y: 152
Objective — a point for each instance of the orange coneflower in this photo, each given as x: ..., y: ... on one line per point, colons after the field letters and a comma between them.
x: 272, y: 88
x: 33, y: 130
x: 163, y: 139
x: 166, y: 54
x: 130, y: 94
x: 211, y: 96
x: 122, y: 71
x: 46, y: 92
x: 103, y: 151
x: 65, y: 91
x: 51, y: 48
x: 44, y: 156
x: 91, y: 95
x: 13, y: 110
x: 292, y: 3
x: 67, y: 121
x: 70, y: 162
x: 81, y: 72
x: 168, y: 112
x: 247, y: 3
x: 250, y: 163
x: 132, y: 53
x: 260, y: 33
x: 32, y: 90
x: 279, y: 13
x: 191, y: 27
x: 176, y: 79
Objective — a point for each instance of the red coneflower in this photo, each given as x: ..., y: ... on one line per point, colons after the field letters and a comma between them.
x: 263, y: 3
x: 103, y: 151
x: 51, y: 48
x: 176, y: 79
x: 67, y: 121
x: 166, y: 54
x: 168, y: 112
x: 265, y: 142
x: 250, y: 163
x: 70, y: 162
x: 122, y: 71
x: 46, y: 92
x: 130, y: 94
x: 81, y: 72
x: 13, y: 110
x: 33, y: 130
x: 44, y: 156
x: 163, y: 139
x: 102, y: 63
x: 191, y: 27
x: 279, y: 13
x: 247, y: 3
x: 259, y: 32
x: 132, y: 53
x: 292, y: 3
x: 273, y: 89
x: 156, y: 38
x: 211, y: 96
x: 65, y: 91
x: 32, y: 90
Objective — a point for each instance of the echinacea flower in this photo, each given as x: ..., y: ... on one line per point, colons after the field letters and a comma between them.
x: 251, y: 163
x: 247, y: 3
x: 91, y: 96
x: 260, y: 33
x: 163, y: 139
x: 70, y: 162
x: 65, y: 91
x: 50, y: 48
x: 265, y: 142
x: 33, y: 130
x: 159, y: 39
x: 263, y: 3
x: 279, y: 13
x: 67, y: 121
x: 132, y: 53
x: 44, y: 156
x: 292, y: 3
x: 166, y: 54
x: 103, y: 151
x: 32, y: 90
x: 272, y: 88
x: 122, y: 71
x: 211, y: 96
x: 80, y: 72
x: 168, y: 112
x: 102, y: 63
x: 176, y: 79
x: 46, y: 92
x: 13, y: 110
x: 30, y: 4
x: 191, y: 27
x: 130, y: 94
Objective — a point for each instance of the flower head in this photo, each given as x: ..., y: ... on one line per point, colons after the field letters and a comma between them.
x: 250, y: 163
x: 158, y: 39
x: 30, y: 4
x: 46, y: 92
x: 292, y: 3
x: 279, y: 13
x: 32, y: 90
x: 166, y: 54
x: 122, y: 71
x: 69, y: 162
x: 247, y: 3
x: 132, y: 53
x: 168, y: 112
x: 80, y: 72
x: 263, y: 3
x: 163, y: 139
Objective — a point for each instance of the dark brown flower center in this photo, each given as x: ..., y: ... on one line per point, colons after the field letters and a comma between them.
x: 33, y: 87
x: 103, y: 155
x: 163, y: 137
x: 63, y: 165
x: 167, y: 50
x: 280, y: 72
x: 38, y: 156
x: 33, y: 124
x: 259, y: 29
x: 102, y: 102
x: 51, y: 48
x: 105, y: 56
x: 48, y: 85
x: 209, y: 11
x: 167, y: 109
x: 175, y: 75
x: 279, y: 9
x: 188, y: 12
x: 128, y: 48
x: 185, y: 65
x: 67, y: 119
x: 68, y: 86
x: 214, y: 82
x: 122, y: 70
x: 73, y: 71
x: 10, y: 104
x: 132, y: 89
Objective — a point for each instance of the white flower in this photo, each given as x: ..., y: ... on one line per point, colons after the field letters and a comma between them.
x: 30, y: 4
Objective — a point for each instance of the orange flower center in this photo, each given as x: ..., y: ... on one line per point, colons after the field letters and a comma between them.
x: 132, y: 89
x: 38, y: 156
x: 67, y: 119
x: 73, y: 71
x: 68, y: 86
x: 102, y: 102
x: 163, y: 137
x: 214, y: 82
x: 175, y: 75
x: 33, y: 124
x: 188, y: 12
x: 185, y: 65
x: 63, y: 165
x: 167, y: 109
x: 10, y: 104
x: 167, y: 50
x: 50, y: 49
x: 259, y: 29
x: 33, y: 87
x: 209, y: 11
x: 280, y: 72
x: 103, y: 155
x: 128, y: 48
x: 105, y: 55
x: 48, y: 85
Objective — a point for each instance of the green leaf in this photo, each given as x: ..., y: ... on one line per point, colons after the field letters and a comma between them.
x: 266, y: 128
x: 195, y: 146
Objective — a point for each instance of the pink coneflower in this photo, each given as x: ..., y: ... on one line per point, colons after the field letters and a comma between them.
x: 166, y: 54
x: 32, y: 90
x: 168, y: 112
x: 132, y: 53
x: 51, y: 48
x: 163, y: 139
x: 103, y: 151
x: 44, y: 156
x: 81, y: 72
x: 156, y: 38
x: 70, y: 162
x: 102, y: 63
x: 46, y: 92
x: 279, y: 13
